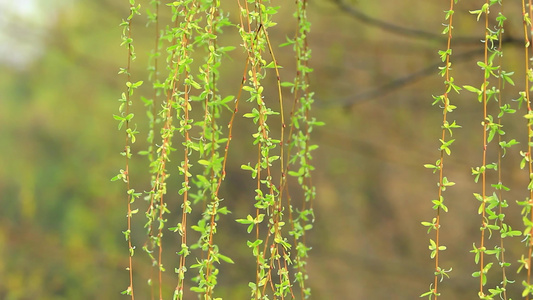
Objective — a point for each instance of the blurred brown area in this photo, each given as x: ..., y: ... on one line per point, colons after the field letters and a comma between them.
x: 375, y: 70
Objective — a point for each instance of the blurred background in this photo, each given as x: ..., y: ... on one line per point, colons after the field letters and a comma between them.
x: 375, y: 70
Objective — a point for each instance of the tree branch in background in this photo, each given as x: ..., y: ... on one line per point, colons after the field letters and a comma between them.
x: 400, y: 82
x: 414, y: 33
x: 408, y: 32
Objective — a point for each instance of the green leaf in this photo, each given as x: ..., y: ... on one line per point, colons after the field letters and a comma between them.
x: 248, y: 220
x: 287, y: 84
x: 197, y: 289
x: 247, y: 167
x: 119, y: 176
x: 203, y: 162
x: 225, y: 258
x: 472, y: 89
x: 226, y: 49
x: 254, y: 244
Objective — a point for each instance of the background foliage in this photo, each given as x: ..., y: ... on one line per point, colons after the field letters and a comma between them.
x: 61, y: 217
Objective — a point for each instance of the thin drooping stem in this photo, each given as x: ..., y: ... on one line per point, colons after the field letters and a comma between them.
x: 130, y: 197
x: 445, y: 110
x: 502, y: 204
x: 482, y: 274
x: 530, y: 141
x: 526, y: 262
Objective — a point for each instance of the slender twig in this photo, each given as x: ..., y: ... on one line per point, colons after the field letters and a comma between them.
x: 396, y: 29
x: 398, y: 83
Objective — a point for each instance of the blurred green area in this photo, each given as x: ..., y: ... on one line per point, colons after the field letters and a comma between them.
x: 61, y: 217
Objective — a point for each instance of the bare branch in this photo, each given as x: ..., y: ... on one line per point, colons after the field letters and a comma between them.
x: 400, y: 82
x: 408, y: 32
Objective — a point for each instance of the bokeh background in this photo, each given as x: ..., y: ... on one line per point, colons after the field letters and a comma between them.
x: 375, y: 70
